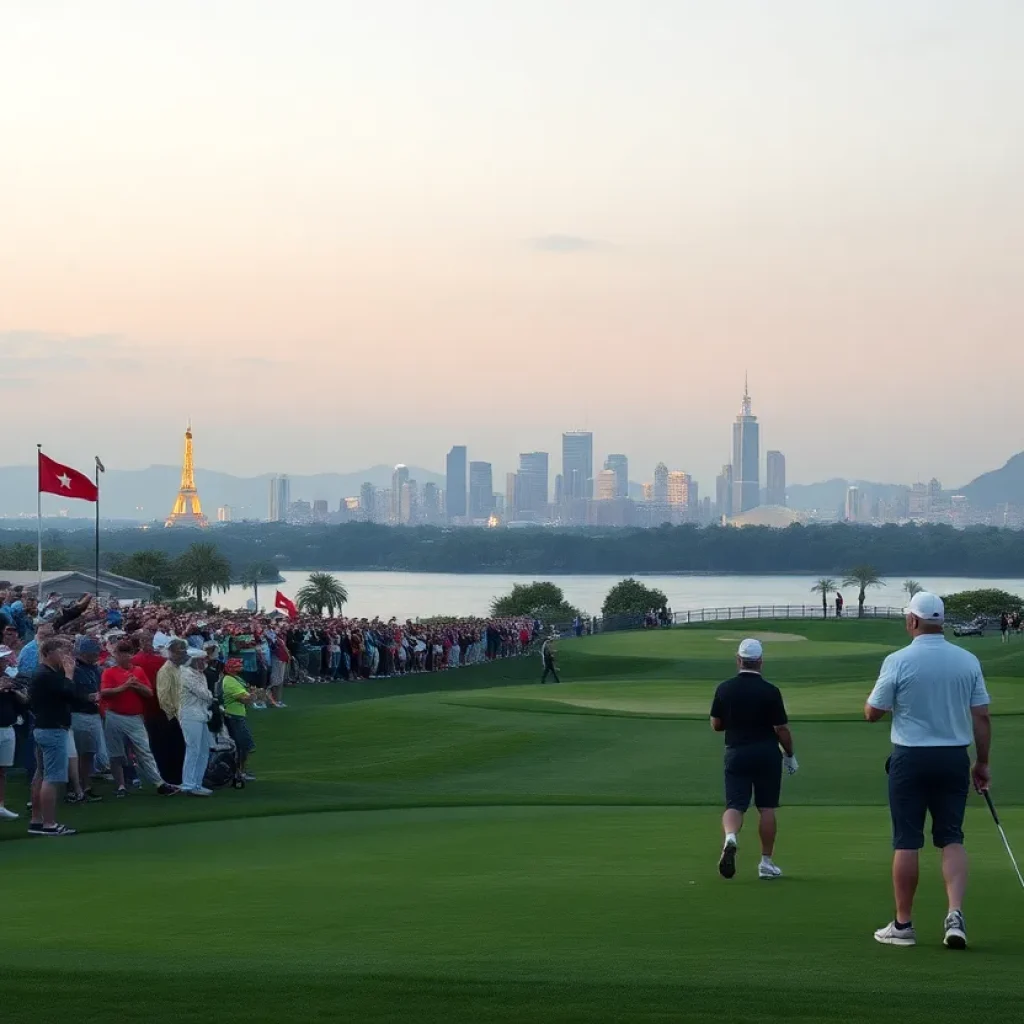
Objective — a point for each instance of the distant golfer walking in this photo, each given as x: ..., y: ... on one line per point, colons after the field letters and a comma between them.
x: 751, y: 713
x: 937, y: 696
x: 547, y: 655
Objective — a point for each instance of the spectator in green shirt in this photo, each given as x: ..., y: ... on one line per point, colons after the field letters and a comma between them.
x: 236, y: 698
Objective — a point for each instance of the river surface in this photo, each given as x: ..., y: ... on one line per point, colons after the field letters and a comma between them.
x: 411, y: 595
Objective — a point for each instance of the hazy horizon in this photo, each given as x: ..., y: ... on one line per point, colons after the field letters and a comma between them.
x: 340, y: 234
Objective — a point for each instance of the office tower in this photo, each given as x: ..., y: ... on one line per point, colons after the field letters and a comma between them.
x: 559, y: 489
x: 367, y: 502
x: 577, y: 465
x: 533, y: 482
x: 408, y: 502
x: 481, y: 490
x: 851, y: 512
x: 619, y: 465
x: 273, y: 514
x: 382, y: 505
x: 320, y: 510
x: 455, y: 483
x: 661, y: 482
x: 723, y: 491
x: 224, y: 514
x: 679, y: 489
x: 512, y: 495
x: 746, y: 448
x: 280, y: 498
x: 430, y: 506
x: 607, y: 485
x: 694, y: 497
x: 648, y: 492
x: 776, y: 493
x: 399, y: 478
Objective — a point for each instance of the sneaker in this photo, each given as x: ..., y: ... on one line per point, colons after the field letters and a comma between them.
x: 956, y: 931
x: 727, y: 862
x: 121, y: 793
x: 890, y: 935
x: 72, y: 798
x: 167, y: 790
x: 768, y: 869
x: 136, y: 783
x: 91, y: 797
x: 6, y: 815
x: 280, y: 704
x: 55, y: 830
x: 35, y: 828
x: 202, y: 791
x: 248, y: 777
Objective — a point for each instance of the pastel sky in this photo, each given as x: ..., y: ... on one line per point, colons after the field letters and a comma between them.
x: 341, y: 232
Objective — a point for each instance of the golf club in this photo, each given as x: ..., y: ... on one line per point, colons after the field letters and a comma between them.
x: 1006, y: 843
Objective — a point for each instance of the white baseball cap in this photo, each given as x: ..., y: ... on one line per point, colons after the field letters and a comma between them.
x: 927, y: 608
x: 751, y: 650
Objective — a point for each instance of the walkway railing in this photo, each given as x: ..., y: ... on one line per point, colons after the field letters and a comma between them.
x: 783, y: 611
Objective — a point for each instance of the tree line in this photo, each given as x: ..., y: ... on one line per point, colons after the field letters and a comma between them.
x: 814, y: 549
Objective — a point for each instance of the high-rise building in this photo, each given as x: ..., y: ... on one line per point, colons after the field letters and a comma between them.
x: 559, y: 489
x: 399, y: 478
x: 280, y: 498
x: 679, y: 489
x: 512, y: 495
x: 853, y: 509
x: 224, y: 514
x: 481, y: 490
x: 382, y: 505
x: 648, y: 492
x: 723, y: 491
x: 533, y: 482
x: 577, y: 465
x: 919, y: 504
x: 430, y: 505
x: 746, y: 456
x: 455, y: 483
x: 661, y: 482
x: 408, y: 502
x: 776, y: 482
x: 320, y: 509
x: 607, y: 485
x: 367, y: 502
x: 619, y: 465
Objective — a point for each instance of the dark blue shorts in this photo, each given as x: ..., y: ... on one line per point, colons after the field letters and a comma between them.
x: 753, y: 770
x: 928, y: 780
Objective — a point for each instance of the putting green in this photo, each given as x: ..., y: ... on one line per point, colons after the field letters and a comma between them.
x: 421, y: 850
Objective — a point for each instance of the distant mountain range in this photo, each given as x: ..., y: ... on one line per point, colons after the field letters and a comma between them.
x: 148, y: 494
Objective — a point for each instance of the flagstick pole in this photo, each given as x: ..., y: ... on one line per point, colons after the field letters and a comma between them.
x: 97, y: 528
x: 39, y: 525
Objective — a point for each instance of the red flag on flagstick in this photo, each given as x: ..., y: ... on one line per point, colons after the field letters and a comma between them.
x: 282, y: 602
x: 57, y: 479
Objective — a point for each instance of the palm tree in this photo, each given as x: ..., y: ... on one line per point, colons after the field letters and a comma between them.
x: 203, y: 569
x: 912, y: 587
x: 862, y: 577
x: 321, y: 591
x: 253, y: 575
x: 825, y: 586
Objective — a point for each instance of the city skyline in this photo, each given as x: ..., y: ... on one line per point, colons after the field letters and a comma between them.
x: 661, y: 203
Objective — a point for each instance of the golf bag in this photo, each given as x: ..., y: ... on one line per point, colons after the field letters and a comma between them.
x: 223, y: 767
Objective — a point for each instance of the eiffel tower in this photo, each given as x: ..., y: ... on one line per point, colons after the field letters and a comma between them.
x: 187, y: 511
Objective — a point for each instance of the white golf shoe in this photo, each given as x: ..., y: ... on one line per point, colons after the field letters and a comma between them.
x: 890, y: 935
x: 768, y: 869
x: 955, y: 936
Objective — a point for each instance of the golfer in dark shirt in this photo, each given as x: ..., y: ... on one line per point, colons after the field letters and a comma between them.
x: 750, y: 711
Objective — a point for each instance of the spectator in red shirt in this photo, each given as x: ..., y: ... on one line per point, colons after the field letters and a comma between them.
x: 124, y: 694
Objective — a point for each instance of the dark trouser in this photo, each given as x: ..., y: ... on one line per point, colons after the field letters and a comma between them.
x: 549, y: 666
x: 754, y: 769
x: 928, y: 780
x: 168, y: 746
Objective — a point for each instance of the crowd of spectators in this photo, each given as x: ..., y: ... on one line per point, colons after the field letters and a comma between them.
x: 93, y: 692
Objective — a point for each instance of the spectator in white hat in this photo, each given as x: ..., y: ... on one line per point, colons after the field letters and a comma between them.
x: 194, y: 716
x: 751, y: 713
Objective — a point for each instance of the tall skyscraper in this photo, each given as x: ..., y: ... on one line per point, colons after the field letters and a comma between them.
x: 430, y: 505
x: 512, y: 495
x: 746, y: 459
x: 607, y: 485
x: 679, y: 485
x: 533, y: 482
x: 224, y: 514
x: 320, y: 509
x: 723, y: 491
x: 619, y: 465
x: 481, y: 490
x: 455, y: 482
x: 661, y: 482
x: 776, y: 483
x: 853, y: 509
x: 280, y: 498
x: 367, y: 502
x: 577, y: 465
x: 399, y: 478
x: 272, y: 513
x: 559, y: 496
x: 408, y: 504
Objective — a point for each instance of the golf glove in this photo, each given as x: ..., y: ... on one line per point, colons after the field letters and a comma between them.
x: 790, y: 764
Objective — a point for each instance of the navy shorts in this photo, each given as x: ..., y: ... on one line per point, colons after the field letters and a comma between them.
x: 928, y: 780
x: 753, y: 770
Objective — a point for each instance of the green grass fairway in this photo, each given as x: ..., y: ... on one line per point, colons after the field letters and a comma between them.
x: 473, y: 847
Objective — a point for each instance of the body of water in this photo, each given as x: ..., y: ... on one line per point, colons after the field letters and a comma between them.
x: 410, y: 595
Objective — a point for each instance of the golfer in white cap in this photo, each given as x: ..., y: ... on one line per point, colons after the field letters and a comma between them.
x: 939, y: 704
x: 750, y: 711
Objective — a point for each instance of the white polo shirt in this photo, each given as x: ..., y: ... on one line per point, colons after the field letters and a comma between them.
x: 930, y: 687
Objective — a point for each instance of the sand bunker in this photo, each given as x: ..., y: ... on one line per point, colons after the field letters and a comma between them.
x: 764, y: 637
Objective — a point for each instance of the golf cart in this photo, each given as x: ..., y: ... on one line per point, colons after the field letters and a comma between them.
x: 976, y: 627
